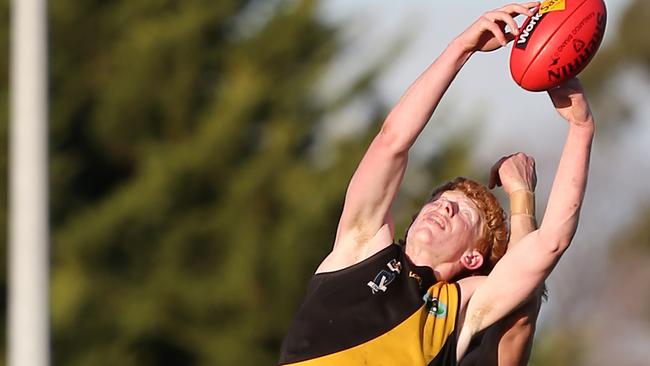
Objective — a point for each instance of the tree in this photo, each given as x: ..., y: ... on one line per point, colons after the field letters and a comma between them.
x: 190, y: 200
x: 627, y: 49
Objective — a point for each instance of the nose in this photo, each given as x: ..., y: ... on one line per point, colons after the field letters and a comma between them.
x: 447, y: 207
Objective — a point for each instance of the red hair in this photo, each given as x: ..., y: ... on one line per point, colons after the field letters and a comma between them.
x: 493, y: 241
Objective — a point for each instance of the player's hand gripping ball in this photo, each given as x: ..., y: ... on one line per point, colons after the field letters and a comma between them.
x: 557, y: 43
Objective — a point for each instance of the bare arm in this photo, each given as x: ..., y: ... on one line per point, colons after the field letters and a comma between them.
x: 376, y: 181
x: 526, y: 265
x: 509, y: 341
x: 364, y: 224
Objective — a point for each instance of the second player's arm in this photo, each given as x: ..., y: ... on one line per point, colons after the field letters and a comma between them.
x: 509, y: 341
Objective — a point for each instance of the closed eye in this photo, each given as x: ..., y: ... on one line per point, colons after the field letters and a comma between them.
x: 467, y: 213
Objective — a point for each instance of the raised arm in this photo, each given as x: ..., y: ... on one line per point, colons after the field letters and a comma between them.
x: 365, y: 224
x: 525, y: 266
x: 509, y: 341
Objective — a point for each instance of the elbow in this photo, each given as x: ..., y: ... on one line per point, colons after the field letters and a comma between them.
x: 520, y: 332
x: 553, y: 244
x: 392, y: 140
x: 524, y: 324
x: 526, y: 317
x: 556, y: 234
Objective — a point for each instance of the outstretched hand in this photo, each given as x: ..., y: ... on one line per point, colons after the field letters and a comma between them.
x: 488, y: 32
x: 514, y: 172
x: 570, y: 101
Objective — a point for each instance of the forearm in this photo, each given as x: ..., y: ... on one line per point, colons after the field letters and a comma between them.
x: 522, y: 215
x: 561, y: 218
x: 514, y: 334
x: 517, y: 332
x: 379, y: 174
x: 411, y: 114
x: 508, y: 342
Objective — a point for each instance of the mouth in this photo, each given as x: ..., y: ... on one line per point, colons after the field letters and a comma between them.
x: 438, y: 221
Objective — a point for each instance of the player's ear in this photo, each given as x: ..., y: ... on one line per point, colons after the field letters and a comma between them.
x: 472, y: 259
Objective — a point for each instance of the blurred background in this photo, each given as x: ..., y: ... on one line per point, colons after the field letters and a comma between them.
x: 200, y: 152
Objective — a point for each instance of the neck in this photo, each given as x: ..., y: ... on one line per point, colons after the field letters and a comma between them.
x: 445, y: 271
x: 448, y: 271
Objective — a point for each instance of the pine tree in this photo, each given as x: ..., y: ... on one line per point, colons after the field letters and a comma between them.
x: 192, y: 195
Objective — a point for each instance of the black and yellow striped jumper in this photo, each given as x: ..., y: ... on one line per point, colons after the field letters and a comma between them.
x: 382, y: 311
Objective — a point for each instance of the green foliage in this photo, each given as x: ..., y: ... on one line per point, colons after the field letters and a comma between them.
x: 633, y: 240
x: 189, y: 198
x: 628, y: 47
x: 188, y: 208
x: 629, y: 256
x: 180, y: 150
x: 188, y: 205
x: 561, y: 347
x: 634, y: 40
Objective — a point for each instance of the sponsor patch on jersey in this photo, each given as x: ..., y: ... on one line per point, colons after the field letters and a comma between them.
x: 435, y: 307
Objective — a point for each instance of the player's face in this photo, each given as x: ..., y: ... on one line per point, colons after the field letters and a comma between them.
x: 446, y: 226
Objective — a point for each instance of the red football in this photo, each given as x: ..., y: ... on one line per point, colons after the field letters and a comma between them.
x: 557, y: 42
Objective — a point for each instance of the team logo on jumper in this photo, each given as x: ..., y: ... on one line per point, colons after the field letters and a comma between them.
x: 417, y: 278
x: 385, y: 277
x: 435, y: 307
x: 395, y: 266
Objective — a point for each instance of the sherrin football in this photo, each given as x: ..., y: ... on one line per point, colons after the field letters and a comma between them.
x: 557, y: 43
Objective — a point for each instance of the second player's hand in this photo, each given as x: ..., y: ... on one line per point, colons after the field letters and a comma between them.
x: 514, y: 172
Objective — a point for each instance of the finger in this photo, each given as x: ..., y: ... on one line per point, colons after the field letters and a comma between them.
x: 560, y: 97
x: 493, y: 28
x: 492, y: 181
x: 495, y: 179
x: 520, y: 9
x: 503, y: 18
x: 509, y: 36
x: 531, y: 4
x: 573, y: 84
x: 520, y: 155
x: 532, y: 181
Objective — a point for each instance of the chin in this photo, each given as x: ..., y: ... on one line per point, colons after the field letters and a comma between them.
x: 422, y: 237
